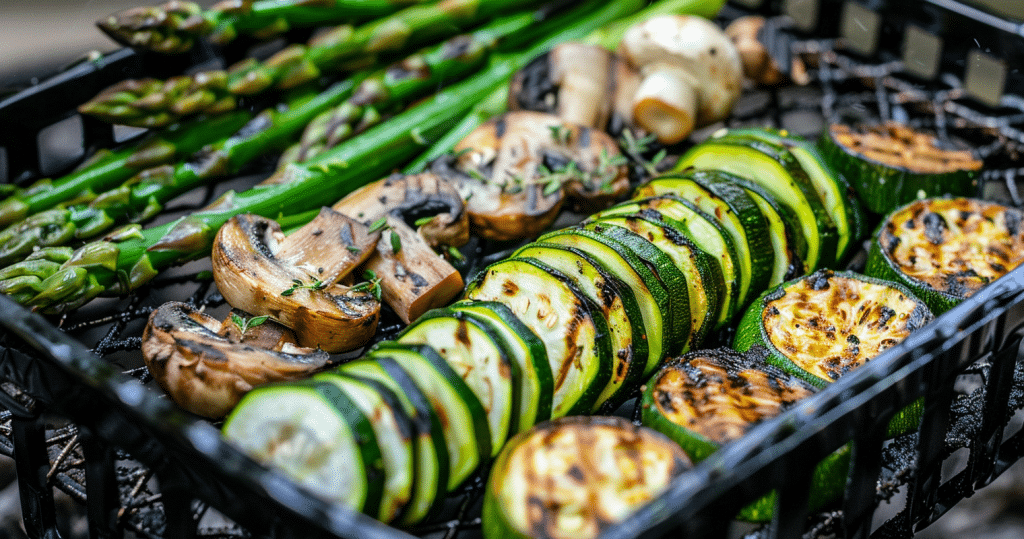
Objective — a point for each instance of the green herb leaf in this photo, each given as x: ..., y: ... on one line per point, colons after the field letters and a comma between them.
x: 396, y: 243
x: 238, y: 321
x: 423, y: 220
x: 379, y: 224
x: 258, y: 321
x: 353, y: 248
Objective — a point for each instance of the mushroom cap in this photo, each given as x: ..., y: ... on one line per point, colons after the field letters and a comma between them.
x: 254, y: 267
x: 699, y: 49
x: 206, y: 366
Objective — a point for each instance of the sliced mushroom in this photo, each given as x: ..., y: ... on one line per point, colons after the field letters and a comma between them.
x: 758, y: 64
x: 420, y: 213
x: 513, y: 169
x: 691, y: 74
x: 206, y: 366
x: 296, y: 280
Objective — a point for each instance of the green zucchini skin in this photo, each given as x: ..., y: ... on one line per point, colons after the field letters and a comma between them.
x: 478, y: 354
x: 582, y: 475
x: 569, y: 323
x: 715, y: 193
x: 291, y: 424
x: 945, y: 249
x: 834, y: 189
x: 883, y: 187
x: 703, y: 230
x: 666, y: 319
x: 536, y: 385
x: 708, y: 398
x: 618, y: 307
x: 775, y: 169
x: 430, y: 481
x: 809, y: 311
x: 690, y: 271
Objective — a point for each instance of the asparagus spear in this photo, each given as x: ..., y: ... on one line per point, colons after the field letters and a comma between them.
x: 133, y: 257
x: 144, y: 195
x: 175, y: 26
x: 109, y: 168
x: 150, y: 102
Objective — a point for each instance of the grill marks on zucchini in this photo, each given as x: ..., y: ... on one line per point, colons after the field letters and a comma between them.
x: 575, y: 476
x: 569, y: 323
x: 945, y: 250
x: 825, y: 324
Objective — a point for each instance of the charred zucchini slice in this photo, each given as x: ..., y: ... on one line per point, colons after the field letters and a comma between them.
x: 392, y: 429
x: 463, y: 419
x: 315, y: 434
x: 536, y: 383
x: 570, y: 325
x: 700, y: 228
x: 617, y: 305
x: 715, y: 193
x: 839, y: 197
x: 823, y: 325
x: 892, y: 164
x: 695, y: 272
x: 776, y: 170
x: 573, y: 477
x: 430, y: 481
x: 661, y: 325
x: 479, y: 355
x: 708, y: 398
x: 945, y: 249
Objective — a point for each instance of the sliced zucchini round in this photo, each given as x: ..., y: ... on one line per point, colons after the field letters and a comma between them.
x: 462, y: 417
x: 715, y: 193
x: 946, y: 249
x: 392, y: 429
x: 574, y: 333
x: 661, y: 324
x: 834, y: 190
x: 892, y: 164
x: 700, y: 228
x: 536, y: 386
x: 479, y: 355
x: 777, y: 170
x: 708, y: 398
x: 312, y: 432
x: 575, y: 476
x: 617, y: 305
x: 430, y: 450
x: 696, y: 273
x: 823, y: 325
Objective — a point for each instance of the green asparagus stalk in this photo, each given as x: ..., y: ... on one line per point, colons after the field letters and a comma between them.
x: 135, y: 255
x: 109, y: 168
x: 491, y: 106
x: 175, y: 26
x: 150, y: 102
x: 145, y: 194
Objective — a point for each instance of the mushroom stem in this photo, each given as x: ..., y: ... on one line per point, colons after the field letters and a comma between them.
x: 414, y: 279
x: 664, y: 104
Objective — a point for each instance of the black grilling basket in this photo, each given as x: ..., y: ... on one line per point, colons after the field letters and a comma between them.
x: 82, y: 418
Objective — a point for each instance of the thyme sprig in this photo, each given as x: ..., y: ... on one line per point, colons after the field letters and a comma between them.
x: 244, y: 324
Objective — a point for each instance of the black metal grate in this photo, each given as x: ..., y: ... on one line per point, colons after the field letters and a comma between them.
x: 72, y: 422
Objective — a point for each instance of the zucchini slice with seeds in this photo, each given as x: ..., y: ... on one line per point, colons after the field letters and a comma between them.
x: 393, y: 432
x: 618, y: 306
x: 536, y: 386
x: 695, y: 272
x: 840, y: 199
x: 708, y: 398
x: 575, y: 476
x: 946, y: 249
x: 823, y: 325
x: 892, y: 164
x: 662, y: 326
x: 715, y: 193
x: 430, y: 482
x: 315, y: 434
x: 462, y: 417
x: 479, y: 355
x: 774, y: 168
x: 573, y: 331
x: 700, y: 228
